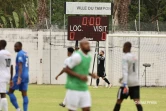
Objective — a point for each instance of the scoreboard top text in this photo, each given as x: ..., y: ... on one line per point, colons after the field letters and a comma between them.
x: 88, y: 8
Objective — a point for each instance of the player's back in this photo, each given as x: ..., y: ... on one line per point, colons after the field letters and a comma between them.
x: 132, y: 69
x: 22, y: 57
x: 5, y: 63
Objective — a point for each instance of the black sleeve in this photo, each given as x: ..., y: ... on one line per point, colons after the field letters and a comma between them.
x: 101, y: 57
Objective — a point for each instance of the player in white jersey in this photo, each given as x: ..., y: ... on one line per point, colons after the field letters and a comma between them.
x: 5, y: 77
x: 70, y: 52
x: 130, y: 82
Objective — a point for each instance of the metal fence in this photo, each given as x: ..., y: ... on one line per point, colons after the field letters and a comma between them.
x: 144, y: 26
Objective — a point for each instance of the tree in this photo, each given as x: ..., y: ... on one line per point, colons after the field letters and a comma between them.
x: 121, y: 12
x: 151, y: 10
x: 32, y: 13
x: 42, y: 13
x: 18, y: 13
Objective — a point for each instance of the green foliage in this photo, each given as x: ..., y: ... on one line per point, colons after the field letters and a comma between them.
x: 12, y: 13
x: 16, y: 19
x: 4, y: 20
x: 23, y: 13
x: 151, y: 10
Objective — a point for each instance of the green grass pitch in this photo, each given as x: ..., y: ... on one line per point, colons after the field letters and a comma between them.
x: 47, y: 98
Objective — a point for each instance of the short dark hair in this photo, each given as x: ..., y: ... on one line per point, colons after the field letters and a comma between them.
x: 102, y: 51
x: 19, y: 43
x: 70, y: 49
x: 3, y: 43
x: 128, y: 44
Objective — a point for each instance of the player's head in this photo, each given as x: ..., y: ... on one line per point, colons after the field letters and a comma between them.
x: 127, y: 47
x: 84, y: 45
x: 101, y: 53
x: 70, y: 51
x: 18, y: 46
x: 3, y: 44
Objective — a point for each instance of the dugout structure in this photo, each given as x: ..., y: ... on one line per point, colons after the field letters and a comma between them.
x: 149, y: 48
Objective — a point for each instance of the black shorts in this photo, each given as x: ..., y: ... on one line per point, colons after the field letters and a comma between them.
x: 134, y: 93
x: 101, y: 73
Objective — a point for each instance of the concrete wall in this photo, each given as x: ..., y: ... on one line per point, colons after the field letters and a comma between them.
x: 37, y: 44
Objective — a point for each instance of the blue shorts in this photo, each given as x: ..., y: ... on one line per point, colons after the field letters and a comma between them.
x: 21, y: 87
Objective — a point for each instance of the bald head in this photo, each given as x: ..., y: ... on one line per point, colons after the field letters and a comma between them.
x: 84, y: 40
x: 84, y: 45
x: 127, y: 47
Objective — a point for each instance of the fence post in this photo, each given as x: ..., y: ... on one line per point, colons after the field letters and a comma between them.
x: 40, y: 58
x: 107, y: 55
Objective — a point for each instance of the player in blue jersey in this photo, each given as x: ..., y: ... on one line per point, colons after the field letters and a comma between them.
x: 21, y: 78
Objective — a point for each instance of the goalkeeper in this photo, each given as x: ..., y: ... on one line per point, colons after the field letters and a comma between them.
x: 130, y: 83
x: 101, y: 70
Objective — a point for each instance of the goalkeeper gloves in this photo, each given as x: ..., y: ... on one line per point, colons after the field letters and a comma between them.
x: 126, y: 89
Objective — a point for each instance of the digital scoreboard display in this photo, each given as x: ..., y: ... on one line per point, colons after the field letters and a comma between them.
x: 94, y: 28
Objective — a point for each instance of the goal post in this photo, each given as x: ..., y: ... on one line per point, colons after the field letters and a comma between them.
x: 149, y: 49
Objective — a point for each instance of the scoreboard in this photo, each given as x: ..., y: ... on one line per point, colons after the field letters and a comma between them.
x: 94, y: 28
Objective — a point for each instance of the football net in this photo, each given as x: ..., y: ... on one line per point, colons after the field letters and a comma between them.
x: 149, y: 49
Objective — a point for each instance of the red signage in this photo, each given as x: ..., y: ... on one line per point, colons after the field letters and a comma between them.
x: 94, y: 28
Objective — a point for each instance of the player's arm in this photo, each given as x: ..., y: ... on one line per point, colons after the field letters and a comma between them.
x: 125, y: 75
x: 72, y: 73
x: 11, y: 76
x: 93, y: 75
x: 20, y: 67
x: 98, y: 56
x: 125, y: 71
x: 62, y: 71
x: 11, y: 72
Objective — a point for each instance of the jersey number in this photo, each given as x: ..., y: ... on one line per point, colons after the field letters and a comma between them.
x: 27, y: 62
x: 8, y: 62
x: 133, y: 67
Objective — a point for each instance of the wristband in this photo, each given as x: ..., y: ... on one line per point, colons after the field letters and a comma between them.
x: 124, y: 84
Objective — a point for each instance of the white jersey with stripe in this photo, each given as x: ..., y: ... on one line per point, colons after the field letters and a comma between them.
x: 129, y: 70
x: 5, y: 64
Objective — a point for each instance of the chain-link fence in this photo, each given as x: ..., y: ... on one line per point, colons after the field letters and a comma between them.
x: 144, y: 26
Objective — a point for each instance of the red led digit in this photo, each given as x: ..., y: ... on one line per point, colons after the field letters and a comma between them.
x: 72, y: 35
x: 98, y: 20
x: 92, y: 20
x: 84, y: 20
x: 104, y: 34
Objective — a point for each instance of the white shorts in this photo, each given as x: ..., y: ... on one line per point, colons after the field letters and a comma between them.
x: 3, y: 87
x: 77, y: 99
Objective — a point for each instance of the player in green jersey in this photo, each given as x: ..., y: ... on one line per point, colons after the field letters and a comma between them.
x: 77, y: 95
